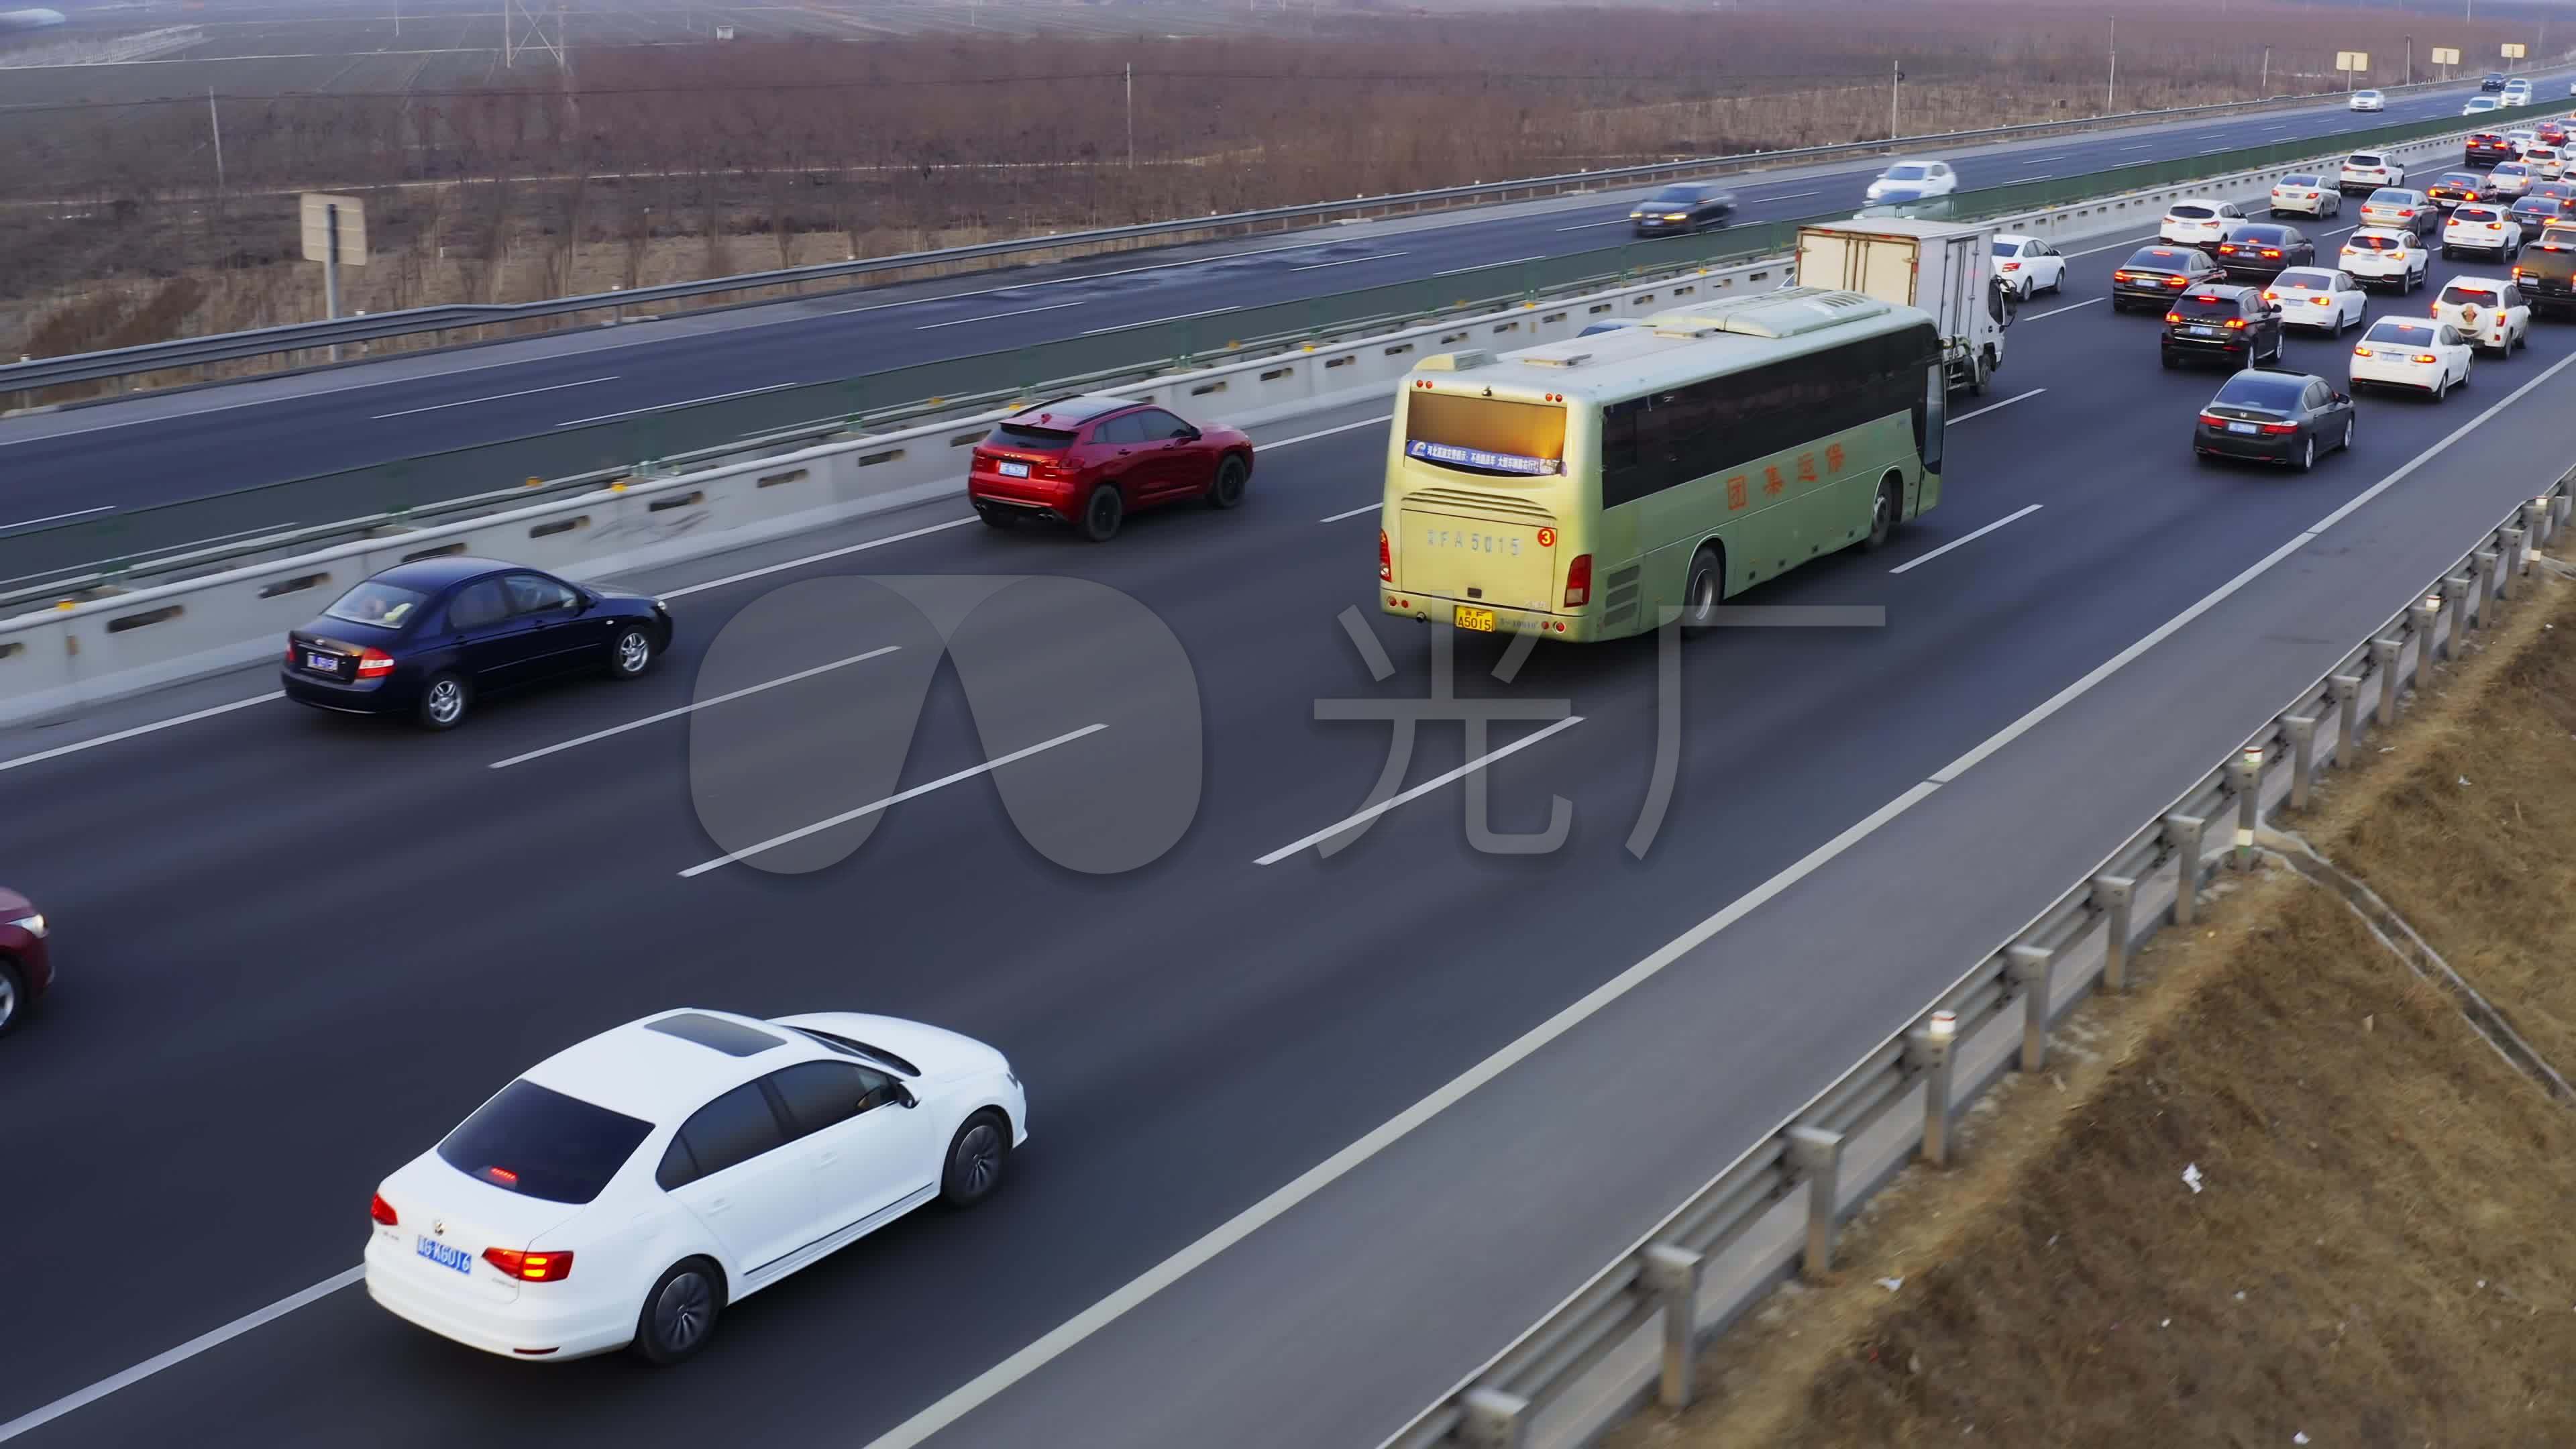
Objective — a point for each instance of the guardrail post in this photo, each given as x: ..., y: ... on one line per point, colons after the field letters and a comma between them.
x: 2537, y: 520
x: 2030, y: 968
x: 2182, y: 832
x: 2383, y: 659
x: 2428, y: 622
x: 2486, y: 560
x: 2347, y: 697
x: 1927, y: 1048
x: 1672, y: 1274
x: 2516, y: 563
x: 2245, y: 778
x: 1492, y: 1419
x: 2115, y: 894
x: 2303, y: 756
x: 1818, y: 1155
x: 2455, y: 593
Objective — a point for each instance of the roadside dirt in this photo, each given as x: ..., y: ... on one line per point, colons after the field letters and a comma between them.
x: 2376, y: 1252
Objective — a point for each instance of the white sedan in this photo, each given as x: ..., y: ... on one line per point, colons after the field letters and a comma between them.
x: 1914, y: 181
x: 2387, y: 257
x: 2480, y: 105
x: 2548, y: 163
x: 2199, y: 222
x: 2305, y: 193
x: 2476, y: 226
x: 2508, y: 180
x: 2318, y: 298
x: 2369, y: 101
x: 2494, y: 316
x: 2416, y: 353
x: 628, y: 1189
x: 2025, y: 264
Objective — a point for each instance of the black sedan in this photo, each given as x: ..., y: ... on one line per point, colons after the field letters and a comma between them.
x: 2264, y: 250
x: 2273, y: 417
x: 426, y: 638
x: 2537, y: 212
x: 2454, y: 187
x: 1682, y: 208
x: 2237, y: 325
x: 2153, y: 276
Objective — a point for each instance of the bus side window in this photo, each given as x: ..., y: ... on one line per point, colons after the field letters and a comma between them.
x: 1619, y: 470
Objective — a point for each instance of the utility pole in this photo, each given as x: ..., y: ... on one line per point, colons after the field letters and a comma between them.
x: 215, y: 119
x: 1131, y: 115
x: 2265, y: 89
x: 2410, y: 61
x: 2110, y: 94
x: 1895, y: 84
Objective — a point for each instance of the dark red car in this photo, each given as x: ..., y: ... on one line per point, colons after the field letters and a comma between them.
x: 25, y: 971
x: 2551, y: 133
x: 1090, y: 461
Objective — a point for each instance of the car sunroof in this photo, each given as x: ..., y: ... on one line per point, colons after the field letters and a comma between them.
x: 731, y: 1038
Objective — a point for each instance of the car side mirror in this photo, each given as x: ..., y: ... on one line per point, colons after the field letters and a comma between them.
x: 2342, y: 397
x: 903, y: 1096
x: 1186, y: 434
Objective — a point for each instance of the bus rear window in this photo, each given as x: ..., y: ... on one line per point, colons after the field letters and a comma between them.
x: 1484, y: 434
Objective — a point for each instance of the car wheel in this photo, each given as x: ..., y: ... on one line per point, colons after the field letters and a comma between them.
x: 2347, y: 433
x: 444, y: 701
x: 1102, y: 512
x: 2308, y: 453
x: 1227, y: 490
x: 2441, y: 387
x: 632, y: 656
x: 13, y: 996
x: 976, y: 1157
x: 679, y: 1315
x: 1882, y: 515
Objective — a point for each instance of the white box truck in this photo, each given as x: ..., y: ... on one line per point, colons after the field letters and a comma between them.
x: 1941, y: 267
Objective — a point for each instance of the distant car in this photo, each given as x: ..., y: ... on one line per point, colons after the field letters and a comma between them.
x: 26, y: 966
x: 2493, y: 316
x: 1091, y: 460
x: 2492, y: 81
x: 2547, y: 163
x: 2486, y: 148
x: 2273, y: 417
x: 2546, y: 273
x: 2319, y: 298
x: 2453, y: 187
x: 2554, y: 190
x: 2417, y: 354
x: 2366, y: 171
x: 2522, y: 141
x: 2199, y: 222
x: 2261, y: 248
x: 2535, y: 213
x: 1681, y: 208
x: 2153, y: 276
x: 2400, y: 209
x: 2305, y: 193
x: 2025, y: 264
x: 2481, y: 227
x: 626, y: 1191
x: 2369, y: 101
x: 2508, y: 180
x: 2374, y: 255
x: 2517, y: 92
x: 1914, y: 181
x: 2552, y: 132
x: 2234, y: 325
x: 2478, y: 106
x: 429, y: 638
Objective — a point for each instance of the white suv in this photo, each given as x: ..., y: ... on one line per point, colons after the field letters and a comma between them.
x: 2367, y: 171
x: 2517, y: 93
x: 2492, y: 316
x: 2478, y: 226
x: 2199, y: 222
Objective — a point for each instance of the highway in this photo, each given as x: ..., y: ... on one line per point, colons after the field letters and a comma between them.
x: 90, y: 467
x: 296, y: 949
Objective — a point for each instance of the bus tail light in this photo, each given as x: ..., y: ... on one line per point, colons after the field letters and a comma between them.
x: 1578, y: 581
x: 1385, y: 559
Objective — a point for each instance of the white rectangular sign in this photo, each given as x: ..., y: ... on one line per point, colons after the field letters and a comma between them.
x: 2446, y: 55
x: 317, y: 212
x: 2352, y: 60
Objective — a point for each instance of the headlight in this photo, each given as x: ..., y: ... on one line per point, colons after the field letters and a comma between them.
x: 33, y: 925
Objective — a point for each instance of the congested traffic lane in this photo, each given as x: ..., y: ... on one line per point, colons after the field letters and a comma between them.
x: 244, y: 435
x: 386, y: 927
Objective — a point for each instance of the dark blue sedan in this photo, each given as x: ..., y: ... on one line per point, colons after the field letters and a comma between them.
x: 426, y: 639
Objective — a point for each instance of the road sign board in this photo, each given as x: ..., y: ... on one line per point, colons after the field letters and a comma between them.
x: 2446, y: 55
x: 2352, y: 60
x: 2515, y: 50
x: 318, y: 209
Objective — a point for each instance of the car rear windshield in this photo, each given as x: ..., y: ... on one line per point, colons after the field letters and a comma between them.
x: 2008, y: 249
x: 1906, y: 173
x: 382, y: 605
x: 2413, y: 334
x: 2478, y: 292
x: 2365, y: 159
x: 2204, y: 305
x: 2391, y: 196
x: 2459, y: 181
x: 2266, y: 236
x: 1021, y: 435
x: 1676, y: 194
x: 539, y: 1143
x: 2301, y: 180
x: 2508, y: 168
x: 2306, y: 279
x: 2470, y: 213
x: 1484, y: 434
x: 2274, y: 393
x: 2378, y: 243
x: 2194, y: 211
x: 2158, y: 259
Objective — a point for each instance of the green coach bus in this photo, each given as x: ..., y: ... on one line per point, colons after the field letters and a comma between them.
x: 1580, y: 489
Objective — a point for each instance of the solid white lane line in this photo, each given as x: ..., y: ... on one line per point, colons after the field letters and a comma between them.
x: 726, y: 698
x: 1966, y: 538
x: 1123, y: 326
x: 1787, y: 195
x: 812, y: 558
x: 2043, y: 176
x: 38, y: 1418
x: 74, y: 748
x: 1480, y: 266
x: 993, y: 1381
x: 684, y: 402
x: 2058, y: 311
x: 995, y: 316
x: 2113, y: 246
x: 846, y: 816
x: 1352, y: 513
x: 1589, y: 225
x: 1325, y: 432
x: 2141, y: 146
x: 1418, y: 791
x: 2007, y: 402
x: 58, y: 517
x: 1348, y: 261
x: 495, y: 397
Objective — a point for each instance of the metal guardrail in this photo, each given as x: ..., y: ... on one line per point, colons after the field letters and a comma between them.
x: 1635, y: 1331
x: 37, y: 374
x: 45, y: 561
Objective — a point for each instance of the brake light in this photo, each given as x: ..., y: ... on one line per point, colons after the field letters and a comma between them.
x: 2363, y: 352
x: 2213, y: 419
x: 530, y: 1267
x: 374, y: 664
x: 2177, y: 282
x: 2269, y: 252
x: 2235, y: 323
x: 2012, y: 266
x: 2318, y: 301
x: 2276, y: 429
x: 1385, y: 559
x: 290, y: 644
x: 2120, y: 276
x: 1578, y: 581
x: 2173, y: 316
x: 383, y: 1212
x: 2426, y: 357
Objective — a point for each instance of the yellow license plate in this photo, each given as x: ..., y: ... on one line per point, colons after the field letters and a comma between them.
x: 1480, y: 620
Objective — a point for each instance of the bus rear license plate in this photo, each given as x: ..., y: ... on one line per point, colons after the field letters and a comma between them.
x: 1480, y: 620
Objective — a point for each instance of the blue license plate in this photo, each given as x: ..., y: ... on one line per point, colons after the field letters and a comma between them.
x: 2240, y: 427
x: 444, y: 1255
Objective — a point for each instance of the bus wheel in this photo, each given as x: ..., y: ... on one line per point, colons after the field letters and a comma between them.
x: 1705, y: 586
x: 1882, y: 515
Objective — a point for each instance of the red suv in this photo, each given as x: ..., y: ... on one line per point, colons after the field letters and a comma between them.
x: 2552, y: 133
x: 1090, y: 461
x: 24, y: 970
